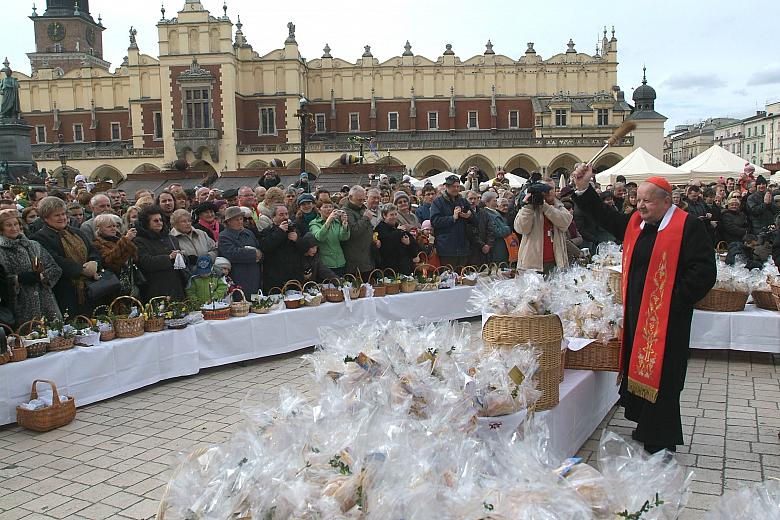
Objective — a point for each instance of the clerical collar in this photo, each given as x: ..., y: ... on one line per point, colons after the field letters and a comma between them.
x: 665, y: 220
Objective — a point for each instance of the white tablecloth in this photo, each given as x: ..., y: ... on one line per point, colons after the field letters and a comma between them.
x: 96, y: 373
x: 585, y: 399
x: 754, y: 330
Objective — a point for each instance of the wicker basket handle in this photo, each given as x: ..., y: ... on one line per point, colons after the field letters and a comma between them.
x: 469, y: 269
x: 55, y: 395
x: 85, y: 318
x: 355, y: 279
x: 371, y: 275
x: 395, y: 275
x: 134, y: 300
x: 272, y: 289
x: 292, y: 283
x: 243, y: 296
x: 30, y: 323
x: 310, y: 283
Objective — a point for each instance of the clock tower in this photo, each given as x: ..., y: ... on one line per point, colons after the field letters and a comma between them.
x: 67, y: 38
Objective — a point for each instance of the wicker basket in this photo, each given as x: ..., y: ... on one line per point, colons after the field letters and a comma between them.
x: 427, y: 271
x: 469, y: 269
x: 314, y: 300
x: 59, y: 344
x: 86, y: 340
x: 541, y: 332
x: 504, y: 270
x: 239, y: 309
x: 332, y: 294
x: 408, y: 286
x: 18, y: 352
x: 354, y: 292
x: 721, y: 300
x: 615, y: 285
x: 775, y: 293
x: 393, y: 287
x: 377, y: 282
x: 35, y: 347
x: 125, y: 327
x: 49, y: 418
x: 154, y: 323
x: 215, y: 314
x: 293, y: 304
x: 764, y: 300
x: 105, y: 335
x: 601, y: 357
x: 722, y: 250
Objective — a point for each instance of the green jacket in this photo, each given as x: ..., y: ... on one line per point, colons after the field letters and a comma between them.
x: 329, y: 238
x: 199, y: 291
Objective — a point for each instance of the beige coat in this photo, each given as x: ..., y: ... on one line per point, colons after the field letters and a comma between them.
x: 530, y: 224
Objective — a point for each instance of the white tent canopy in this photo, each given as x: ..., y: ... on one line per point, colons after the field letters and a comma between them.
x: 640, y: 165
x: 515, y: 181
x: 716, y: 162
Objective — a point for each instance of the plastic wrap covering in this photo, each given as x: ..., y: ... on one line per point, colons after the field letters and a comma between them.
x: 526, y: 294
x: 759, y: 500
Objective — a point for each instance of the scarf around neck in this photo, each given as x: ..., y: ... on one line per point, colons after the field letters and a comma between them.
x: 213, y: 228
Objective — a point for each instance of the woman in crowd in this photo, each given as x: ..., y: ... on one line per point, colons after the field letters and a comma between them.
x: 118, y: 251
x: 330, y: 229
x: 384, y: 197
x: 129, y: 218
x: 28, y: 270
x: 274, y: 196
x: 193, y: 242
x: 157, y: 252
x: 241, y: 248
x: 629, y: 204
x: 734, y: 224
x: 501, y: 229
x: 398, y: 248
x: 206, y: 220
x: 305, y: 213
x: 29, y: 214
x: 407, y: 220
x: 72, y: 252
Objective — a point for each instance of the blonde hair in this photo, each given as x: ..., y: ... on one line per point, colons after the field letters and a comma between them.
x: 273, y: 196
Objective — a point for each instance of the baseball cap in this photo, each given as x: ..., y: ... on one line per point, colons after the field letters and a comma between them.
x: 451, y: 179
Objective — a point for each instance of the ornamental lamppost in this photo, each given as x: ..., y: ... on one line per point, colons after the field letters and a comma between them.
x: 63, y: 157
x: 303, y: 115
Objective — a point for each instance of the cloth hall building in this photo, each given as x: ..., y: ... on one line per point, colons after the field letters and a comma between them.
x: 210, y: 99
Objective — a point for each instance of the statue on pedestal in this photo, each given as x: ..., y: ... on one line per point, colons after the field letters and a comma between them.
x: 9, y: 86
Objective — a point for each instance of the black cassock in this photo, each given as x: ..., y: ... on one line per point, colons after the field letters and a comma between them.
x: 659, y: 423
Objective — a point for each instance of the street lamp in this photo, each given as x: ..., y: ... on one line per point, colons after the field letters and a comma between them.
x: 63, y: 157
x: 303, y: 115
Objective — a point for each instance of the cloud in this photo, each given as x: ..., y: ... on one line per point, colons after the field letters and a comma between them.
x: 693, y: 81
x: 768, y: 76
x: 740, y: 92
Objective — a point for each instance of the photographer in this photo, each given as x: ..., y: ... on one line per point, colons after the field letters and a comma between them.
x: 543, y: 222
x: 283, y: 257
x: 473, y: 178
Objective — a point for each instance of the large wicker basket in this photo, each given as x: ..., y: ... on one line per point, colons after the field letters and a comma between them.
x: 601, y: 357
x: 239, y: 309
x: 541, y: 332
x: 764, y: 300
x: 615, y: 284
x: 49, y: 418
x: 126, y: 327
x: 721, y: 300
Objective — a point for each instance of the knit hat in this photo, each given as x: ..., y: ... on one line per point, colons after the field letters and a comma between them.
x: 400, y: 195
x: 221, y: 262
x: 305, y: 197
x: 426, y: 225
x: 203, y: 266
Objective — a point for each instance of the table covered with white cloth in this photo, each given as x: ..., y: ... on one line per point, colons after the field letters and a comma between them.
x: 754, y: 330
x: 91, y: 374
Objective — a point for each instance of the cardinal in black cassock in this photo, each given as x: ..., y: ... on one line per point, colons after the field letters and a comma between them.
x: 654, y: 404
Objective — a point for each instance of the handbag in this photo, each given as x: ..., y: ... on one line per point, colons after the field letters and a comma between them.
x: 107, y: 284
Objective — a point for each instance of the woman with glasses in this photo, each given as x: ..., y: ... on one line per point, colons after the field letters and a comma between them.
x: 407, y: 220
x: 157, y: 252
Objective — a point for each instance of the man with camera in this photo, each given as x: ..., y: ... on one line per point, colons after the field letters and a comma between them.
x: 283, y: 257
x: 473, y: 178
x: 543, y: 222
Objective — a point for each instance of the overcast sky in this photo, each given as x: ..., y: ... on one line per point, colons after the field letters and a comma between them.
x: 709, y: 58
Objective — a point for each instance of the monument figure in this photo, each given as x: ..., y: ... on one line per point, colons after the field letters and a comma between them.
x: 9, y: 86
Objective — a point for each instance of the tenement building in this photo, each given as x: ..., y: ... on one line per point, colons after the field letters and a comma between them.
x: 210, y: 99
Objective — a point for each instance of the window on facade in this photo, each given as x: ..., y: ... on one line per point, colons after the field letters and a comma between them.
x: 116, y: 132
x: 57, y: 47
x: 749, y: 129
x: 392, y: 120
x: 473, y: 122
x: 754, y: 147
x: 433, y: 120
x: 602, y: 117
x: 267, y: 121
x: 354, y: 122
x: 158, y: 131
x: 197, y: 112
x: 78, y: 133
x: 319, y: 120
x: 539, y: 120
x: 761, y: 147
x: 560, y: 117
x: 40, y: 134
x: 762, y: 129
x: 514, y: 119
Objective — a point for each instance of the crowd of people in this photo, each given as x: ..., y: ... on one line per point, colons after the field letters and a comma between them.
x: 55, y: 244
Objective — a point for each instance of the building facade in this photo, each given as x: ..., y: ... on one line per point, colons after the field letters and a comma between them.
x: 210, y: 99
x: 687, y: 141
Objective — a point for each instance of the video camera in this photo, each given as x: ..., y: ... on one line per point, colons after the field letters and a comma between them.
x: 537, y: 191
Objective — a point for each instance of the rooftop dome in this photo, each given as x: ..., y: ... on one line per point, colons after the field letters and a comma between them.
x: 644, y: 96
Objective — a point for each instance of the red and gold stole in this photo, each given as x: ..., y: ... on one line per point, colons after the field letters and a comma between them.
x: 647, y: 353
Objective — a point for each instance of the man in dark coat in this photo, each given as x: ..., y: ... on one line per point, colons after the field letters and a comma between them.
x: 241, y: 247
x: 283, y: 258
x: 657, y: 414
x: 481, y: 237
x: 451, y: 216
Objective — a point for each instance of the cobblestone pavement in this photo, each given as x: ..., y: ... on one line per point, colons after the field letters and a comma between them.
x: 113, y: 460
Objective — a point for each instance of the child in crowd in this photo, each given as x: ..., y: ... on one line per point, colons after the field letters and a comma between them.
x: 207, y: 282
x: 425, y: 240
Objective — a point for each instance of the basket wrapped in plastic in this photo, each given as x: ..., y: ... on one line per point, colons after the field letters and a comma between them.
x: 240, y: 308
x: 130, y: 325
x: 59, y: 413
